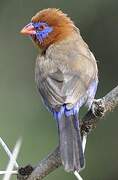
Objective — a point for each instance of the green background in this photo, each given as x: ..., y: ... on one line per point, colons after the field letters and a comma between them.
x: 21, y: 111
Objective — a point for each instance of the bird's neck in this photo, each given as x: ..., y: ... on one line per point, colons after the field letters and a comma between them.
x: 69, y: 40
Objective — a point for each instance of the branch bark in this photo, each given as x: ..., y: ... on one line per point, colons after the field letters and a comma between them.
x: 99, y: 108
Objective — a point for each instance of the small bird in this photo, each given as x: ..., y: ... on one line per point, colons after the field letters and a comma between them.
x: 66, y: 76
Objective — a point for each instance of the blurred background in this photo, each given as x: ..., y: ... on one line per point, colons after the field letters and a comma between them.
x: 21, y: 111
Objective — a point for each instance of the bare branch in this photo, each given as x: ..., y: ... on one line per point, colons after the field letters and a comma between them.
x: 12, y: 161
x: 8, y: 152
x: 53, y: 161
x: 99, y: 108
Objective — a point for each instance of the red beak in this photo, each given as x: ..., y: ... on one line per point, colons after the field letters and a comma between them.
x: 28, y: 30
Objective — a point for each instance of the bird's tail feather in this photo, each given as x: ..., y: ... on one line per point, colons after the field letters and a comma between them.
x: 70, y: 143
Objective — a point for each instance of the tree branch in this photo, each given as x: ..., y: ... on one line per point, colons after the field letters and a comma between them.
x: 53, y: 161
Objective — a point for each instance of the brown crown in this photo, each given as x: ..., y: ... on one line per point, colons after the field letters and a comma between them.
x: 62, y: 25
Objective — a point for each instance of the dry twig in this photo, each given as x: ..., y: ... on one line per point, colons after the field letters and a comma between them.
x: 53, y: 161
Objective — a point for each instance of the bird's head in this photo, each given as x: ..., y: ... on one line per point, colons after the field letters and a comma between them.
x: 48, y: 26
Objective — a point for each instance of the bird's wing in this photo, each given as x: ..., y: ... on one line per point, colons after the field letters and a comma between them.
x: 65, y: 82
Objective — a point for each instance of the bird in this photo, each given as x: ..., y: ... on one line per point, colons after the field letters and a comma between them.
x: 66, y: 75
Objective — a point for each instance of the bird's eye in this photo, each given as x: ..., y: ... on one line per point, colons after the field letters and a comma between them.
x: 42, y: 27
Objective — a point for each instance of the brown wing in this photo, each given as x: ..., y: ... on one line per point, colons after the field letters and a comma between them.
x: 66, y: 82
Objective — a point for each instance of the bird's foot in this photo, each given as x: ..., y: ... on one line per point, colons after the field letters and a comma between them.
x: 24, y: 172
x: 98, y: 108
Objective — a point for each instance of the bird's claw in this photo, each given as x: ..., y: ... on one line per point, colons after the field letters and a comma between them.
x: 24, y: 172
x: 98, y: 108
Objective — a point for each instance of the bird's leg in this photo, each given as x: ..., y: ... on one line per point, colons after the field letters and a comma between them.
x: 97, y: 111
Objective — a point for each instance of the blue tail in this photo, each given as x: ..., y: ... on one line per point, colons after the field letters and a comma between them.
x: 70, y: 140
